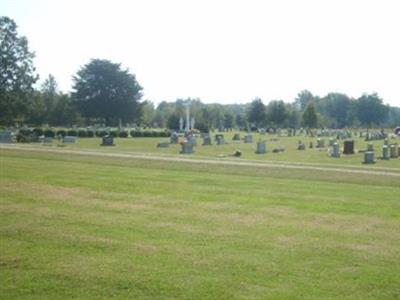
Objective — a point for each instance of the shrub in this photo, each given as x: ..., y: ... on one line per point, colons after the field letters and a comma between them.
x: 90, y: 133
x: 82, y: 133
x: 123, y: 134
x: 114, y: 133
x: 24, y: 136
x: 72, y: 132
x: 146, y: 133
x: 165, y: 133
x: 38, y: 131
x: 61, y: 132
x: 136, y: 133
x: 101, y: 133
x: 49, y: 133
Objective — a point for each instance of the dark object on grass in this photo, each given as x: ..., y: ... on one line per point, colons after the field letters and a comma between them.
x: 108, y: 140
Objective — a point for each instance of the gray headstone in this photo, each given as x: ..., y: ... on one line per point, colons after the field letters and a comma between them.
x: 236, y: 137
x: 385, y: 152
x: 369, y: 157
x: 393, y: 151
x: 107, y: 140
x: 69, y: 139
x: 187, y: 148
x: 248, y: 139
x: 206, y: 140
x: 261, y: 147
x: 320, y: 143
x: 174, y: 139
x: 220, y: 139
x: 336, y: 151
x: 47, y: 141
x: 301, y: 146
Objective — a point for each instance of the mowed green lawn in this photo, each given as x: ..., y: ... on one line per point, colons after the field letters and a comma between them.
x: 98, y: 228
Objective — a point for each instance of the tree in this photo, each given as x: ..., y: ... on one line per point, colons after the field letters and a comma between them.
x: 17, y: 73
x: 147, y: 108
x: 103, y: 90
x: 257, y: 113
x: 303, y: 99
x: 338, y: 107
x: 371, y: 110
x: 277, y: 112
x: 49, y: 95
x: 310, y: 116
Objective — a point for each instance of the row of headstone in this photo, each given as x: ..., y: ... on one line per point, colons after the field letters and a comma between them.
x: 373, y: 136
x: 388, y: 152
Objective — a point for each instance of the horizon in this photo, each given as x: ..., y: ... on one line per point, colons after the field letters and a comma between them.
x: 229, y: 52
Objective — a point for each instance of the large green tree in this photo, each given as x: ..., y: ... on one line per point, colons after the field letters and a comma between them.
x: 338, y: 107
x: 277, y: 112
x: 303, y: 99
x: 310, y: 118
x: 104, y: 91
x: 17, y: 73
x: 257, y: 114
x: 371, y: 110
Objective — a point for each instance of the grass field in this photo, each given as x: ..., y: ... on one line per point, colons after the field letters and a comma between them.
x: 78, y: 226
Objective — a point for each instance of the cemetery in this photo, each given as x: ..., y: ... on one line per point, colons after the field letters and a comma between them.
x: 115, y: 209
x: 110, y: 189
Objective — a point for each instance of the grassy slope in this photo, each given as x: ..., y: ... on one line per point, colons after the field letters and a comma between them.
x: 74, y: 226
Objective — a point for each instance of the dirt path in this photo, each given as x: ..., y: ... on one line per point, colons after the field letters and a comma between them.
x: 286, y: 165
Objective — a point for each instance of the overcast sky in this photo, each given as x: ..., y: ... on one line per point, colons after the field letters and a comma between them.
x: 221, y: 51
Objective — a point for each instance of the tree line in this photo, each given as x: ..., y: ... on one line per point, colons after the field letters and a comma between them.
x: 105, y: 93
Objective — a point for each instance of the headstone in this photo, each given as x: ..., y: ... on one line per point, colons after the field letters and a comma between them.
x: 187, y: 148
x: 47, y: 141
x: 236, y: 137
x: 336, y: 151
x: 192, y: 139
x: 369, y: 157
x: 6, y: 137
x: 69, y: 139
x: 220, y: 139
x: 174, y: 139
x: 301, y: 146
x: 206, y: 140
x: 261, y: 147
x: 248, y: 139
x: 385, y: 152
x: 348, y: 147
x: 107, y: 140
x: 320, y: 143
x: 393, y: 151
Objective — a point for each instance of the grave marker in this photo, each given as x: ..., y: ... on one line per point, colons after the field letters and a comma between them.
x: 261, y: 147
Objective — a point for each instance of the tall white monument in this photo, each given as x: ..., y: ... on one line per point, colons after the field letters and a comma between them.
x: 187, y: 127
x: 180, y: 124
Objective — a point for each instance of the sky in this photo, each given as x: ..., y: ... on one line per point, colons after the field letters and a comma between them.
x: 225, y: 51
